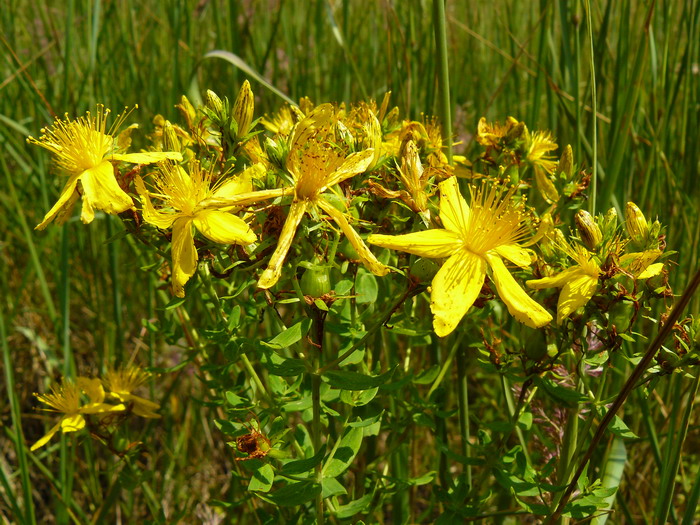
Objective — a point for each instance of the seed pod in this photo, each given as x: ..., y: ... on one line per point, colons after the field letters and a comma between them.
x: 636, y: 224
x: 316, y: 281
x: 588, y: 229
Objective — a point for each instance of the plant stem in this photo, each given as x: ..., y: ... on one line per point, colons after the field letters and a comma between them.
x: 627, y: 388
x: 594, y: 107
x: 464, y: 408
x: 443, y: 74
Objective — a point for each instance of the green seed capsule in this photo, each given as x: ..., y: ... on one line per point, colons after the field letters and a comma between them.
x: 316, y: 281
x: 588, y: 229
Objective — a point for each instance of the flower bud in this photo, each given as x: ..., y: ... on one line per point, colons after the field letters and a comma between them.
x: 243, y: 109
x: 566, y: 162
x: 588, y: 229
x: 214, y: 103
x: 636, y: 224
x: 610, y: 219
x: 170, y: 140
x: 316, y: 281
x: 188, y: 111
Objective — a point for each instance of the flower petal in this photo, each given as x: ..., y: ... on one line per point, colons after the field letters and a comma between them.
x: 243, y: 183
x: 454, y: 210
x: 68, y: 195
x: 651, y: 271
x: 152, y: 216
x: 47, y: 437
x: 92, y: 387
x: 575, y: 293
x: 520, y: 305
x: 556, y: 281
x: 274, y: 268
x: 454, y: 289
x: 516, y: 254
x: 223, y: 227
x: 435, y: 244
x: 246, y: 199
x: 367, y: 257
x: 184, y: 255
x: 147, y: 157
x: 72, y: 423
x: 101, y: 191
x: 101, y: 408
x: 353, y: 164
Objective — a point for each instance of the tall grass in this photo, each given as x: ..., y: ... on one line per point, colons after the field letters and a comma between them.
x: 69, y: 304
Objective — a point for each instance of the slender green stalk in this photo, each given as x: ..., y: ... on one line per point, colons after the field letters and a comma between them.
x: 20, y: 448
x: 443, y: 74
x: 594, y: 107
x: 463, y: 396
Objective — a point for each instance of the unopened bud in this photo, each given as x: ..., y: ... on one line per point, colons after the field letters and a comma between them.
x: 636, y: 224
x: 611, y: 217
x: 243, y: 109
x: 170, y: 140
x: 187, y: 110
x: 566, y: 162
x: 517, y: 130
x: 588, y: 229
x: 214, y: 103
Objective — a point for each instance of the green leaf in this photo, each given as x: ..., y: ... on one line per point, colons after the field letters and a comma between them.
x: 331, y: 487
x: 300, y: 466
x: 568, y: 396
x: 290, y: 336
x: 282, y: 366
x: 344, y: 453
x: 293, y: 494
x: 346, y: 380
x: 235, y: 400
x: 354, y: 507
x: 262, y: 478
x: 358, y: 398
x: 618, y: 427
x: 366, y: 287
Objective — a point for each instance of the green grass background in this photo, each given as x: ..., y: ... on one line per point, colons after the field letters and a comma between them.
x: 69, y: 300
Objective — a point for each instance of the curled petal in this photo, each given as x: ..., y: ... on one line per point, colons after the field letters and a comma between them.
x: 184, y: 255
x: 454, y: 289
x: 274, y: 268
x: 367, y: 257
x: 246, y: 199
x: 575, y: 293
x: 435, y: 244
x: 454, y: 210
x: 516, y: 254
x: 64, y: 203
x: 520, y: 305
x: 102, y: 192
x: 223, y: 227
x: 72, y: 423
x: 147, y: 157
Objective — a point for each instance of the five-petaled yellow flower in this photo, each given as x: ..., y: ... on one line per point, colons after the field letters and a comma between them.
x: 578, y: 283
x: 474, y: 239
x: 66, y: 398
x: 122, y: 382
x: 85, y: 150
x: 317, y: 165
x: 189, y: 199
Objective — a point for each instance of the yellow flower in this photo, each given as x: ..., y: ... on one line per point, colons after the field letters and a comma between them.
x: 122, y: 382
x: 85, y: 151
x: 190, y: 200
x: 541, y: 143
x: 490, y: 135
x: 578, y: 283
x: 66, y: 399
x: 474, y: 239
x: 316, y: 165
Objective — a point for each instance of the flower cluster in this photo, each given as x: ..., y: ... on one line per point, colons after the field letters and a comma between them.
x: 327, y: 172
x: 78, y: 400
